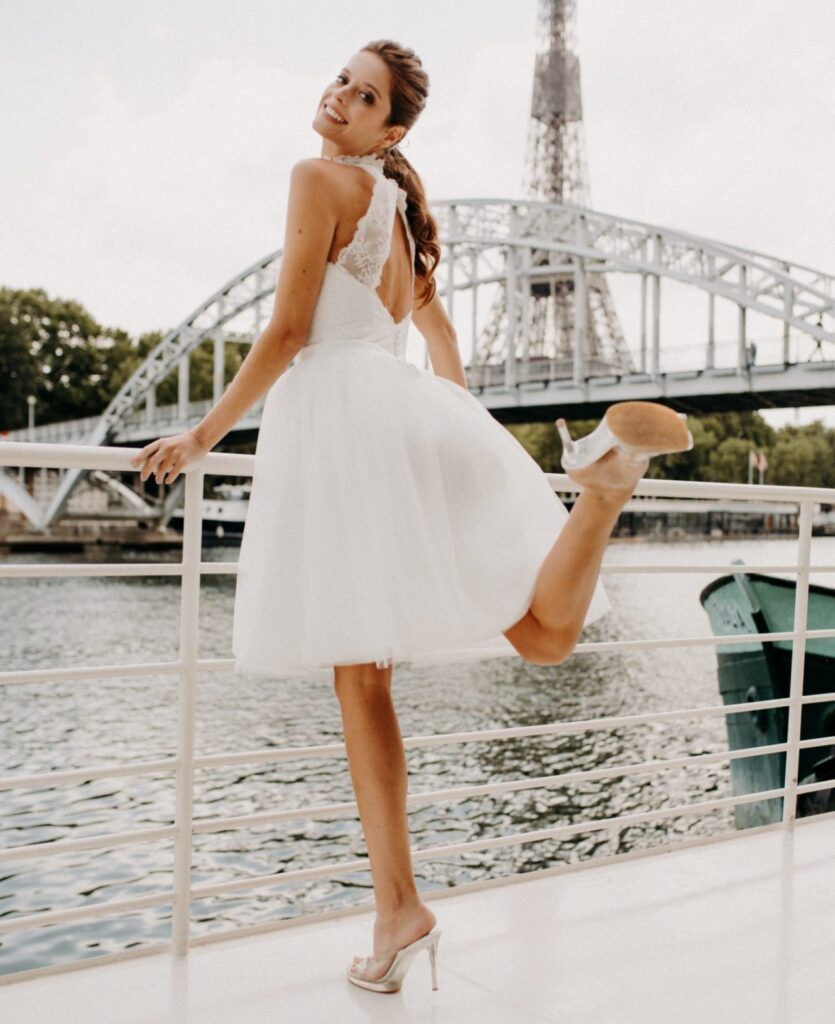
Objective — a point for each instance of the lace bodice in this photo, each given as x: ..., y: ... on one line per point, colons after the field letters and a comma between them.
x: 348, y: 306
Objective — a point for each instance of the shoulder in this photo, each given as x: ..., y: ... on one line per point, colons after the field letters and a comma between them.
x: 318, y: 180
x: 313, y: 184
x: 311, y: 173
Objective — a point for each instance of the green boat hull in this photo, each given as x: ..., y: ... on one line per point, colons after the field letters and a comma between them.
x: 755, y: 671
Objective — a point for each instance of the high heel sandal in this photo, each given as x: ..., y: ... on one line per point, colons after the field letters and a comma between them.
x: 640, y: 429
x: 392, y: 980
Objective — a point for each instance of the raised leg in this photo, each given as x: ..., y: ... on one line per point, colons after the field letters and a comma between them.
x: 377, y: 761
x: 548, y: 632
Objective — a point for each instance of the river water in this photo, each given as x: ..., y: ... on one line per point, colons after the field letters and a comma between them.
x: 83, y: 621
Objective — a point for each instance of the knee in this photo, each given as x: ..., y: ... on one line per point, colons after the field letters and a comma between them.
x: 552, y: 646
x: 361, y: 682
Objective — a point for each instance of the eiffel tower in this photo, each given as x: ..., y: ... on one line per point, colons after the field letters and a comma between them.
x: 556, y: 172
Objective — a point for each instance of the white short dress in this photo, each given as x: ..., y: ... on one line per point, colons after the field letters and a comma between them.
x: 391, y: 517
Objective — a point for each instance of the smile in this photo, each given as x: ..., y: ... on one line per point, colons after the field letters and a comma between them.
x: 332, y: 115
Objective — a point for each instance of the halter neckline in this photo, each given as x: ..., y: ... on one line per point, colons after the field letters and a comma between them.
x: 368, y: 159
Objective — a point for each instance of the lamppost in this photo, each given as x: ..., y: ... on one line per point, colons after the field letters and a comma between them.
x: 31, y: 402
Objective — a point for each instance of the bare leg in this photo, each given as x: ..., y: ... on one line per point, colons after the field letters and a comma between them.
x: 548, y: 632
x: 377, y: 762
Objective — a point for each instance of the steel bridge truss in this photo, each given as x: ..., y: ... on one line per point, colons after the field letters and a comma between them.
x: 524, y: 248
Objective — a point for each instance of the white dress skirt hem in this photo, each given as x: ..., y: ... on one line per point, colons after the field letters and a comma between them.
x: 391, y: 519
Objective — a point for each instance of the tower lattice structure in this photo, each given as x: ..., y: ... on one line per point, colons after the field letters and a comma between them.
x: 556, y: 172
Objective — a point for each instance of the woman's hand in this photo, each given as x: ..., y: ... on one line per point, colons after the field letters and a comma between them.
x: 168, y: 456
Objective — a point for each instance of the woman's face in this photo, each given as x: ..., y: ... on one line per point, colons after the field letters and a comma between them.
x: 359, y: 97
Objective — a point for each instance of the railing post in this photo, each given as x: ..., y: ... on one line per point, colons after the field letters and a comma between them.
x: 655, y: 357
x: 510, y: 337
x: 186, y: 706
x: 801, y: 605
x: 742, y: 358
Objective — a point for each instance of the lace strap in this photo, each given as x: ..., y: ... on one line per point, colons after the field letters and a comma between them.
x: 365, y: 255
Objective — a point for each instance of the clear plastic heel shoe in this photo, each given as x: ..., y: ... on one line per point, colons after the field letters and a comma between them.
x: 392, y: 980
x: 640, y: 429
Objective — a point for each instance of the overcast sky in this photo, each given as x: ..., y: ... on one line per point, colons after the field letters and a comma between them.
x: 147, y: 145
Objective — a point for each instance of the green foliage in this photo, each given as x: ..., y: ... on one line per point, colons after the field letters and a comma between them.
x: 57, y: 351
x: 803, y: 456
x: 729, y: 460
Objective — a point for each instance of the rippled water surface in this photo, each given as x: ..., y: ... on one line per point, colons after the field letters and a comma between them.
x: 73, y: 622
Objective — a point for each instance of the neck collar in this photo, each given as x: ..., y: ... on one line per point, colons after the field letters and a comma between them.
x: 367, y: 159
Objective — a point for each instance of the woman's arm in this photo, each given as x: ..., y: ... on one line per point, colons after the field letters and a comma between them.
x: 311, y: 223
x: 441, y: 340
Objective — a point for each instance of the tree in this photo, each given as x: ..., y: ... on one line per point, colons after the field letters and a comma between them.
x: 804, y: 456
x: 55, y: 350
x: 728, y: 462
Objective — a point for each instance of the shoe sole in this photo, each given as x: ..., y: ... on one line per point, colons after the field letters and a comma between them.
x: 649, y: 426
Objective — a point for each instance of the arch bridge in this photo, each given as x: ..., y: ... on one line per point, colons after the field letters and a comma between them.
x: 527, y: 249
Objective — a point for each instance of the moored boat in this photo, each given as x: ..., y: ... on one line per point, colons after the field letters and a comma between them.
x: 744, y: 602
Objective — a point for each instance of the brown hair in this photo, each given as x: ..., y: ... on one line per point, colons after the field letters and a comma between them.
x: 409, y: 90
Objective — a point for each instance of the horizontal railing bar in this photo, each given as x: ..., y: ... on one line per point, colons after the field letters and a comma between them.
x: 515, y: 839
x: 813, y: 787
x: 699, y: 641
x: 222, y: 664
x: 73, y: 914
x: 606, y: 646
x: 218, y: 824
x: 90, y: 673
x: 708, y: 489
x: 107, y: 771
x: 821, y: 741
x: 145, y: 569
x: 415, y: 800
x: 817, y: 698
x: 98, y: 842
x: 59, y: 456
x: 641, y: 568
x: 23, y: 570
x: 436, y: 796
x: 53, y: 778
x: 480, y: 735
x: 82, y: 456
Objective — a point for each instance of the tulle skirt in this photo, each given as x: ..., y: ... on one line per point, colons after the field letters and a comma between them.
x: 391, y: 518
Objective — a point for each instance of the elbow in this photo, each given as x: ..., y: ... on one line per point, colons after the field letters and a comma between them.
x: 284, y: 338
x: 449, y: 339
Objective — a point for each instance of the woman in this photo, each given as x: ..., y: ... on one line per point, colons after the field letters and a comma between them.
x: 390, y: 515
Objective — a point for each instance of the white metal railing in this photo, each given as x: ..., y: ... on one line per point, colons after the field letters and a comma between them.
x: 188, y: 664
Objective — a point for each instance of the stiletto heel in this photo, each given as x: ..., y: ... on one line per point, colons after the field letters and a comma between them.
x: 392, y: 980
x: 640, y: 429
x: 433, y: 949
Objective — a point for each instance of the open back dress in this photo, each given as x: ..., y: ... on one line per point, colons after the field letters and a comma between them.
x: 391, y: 517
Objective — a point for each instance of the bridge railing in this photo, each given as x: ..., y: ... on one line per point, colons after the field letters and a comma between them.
x: 184, y: 827
x: 766, y: 353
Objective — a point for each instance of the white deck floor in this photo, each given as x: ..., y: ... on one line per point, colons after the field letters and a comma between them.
x: 741, y: 931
